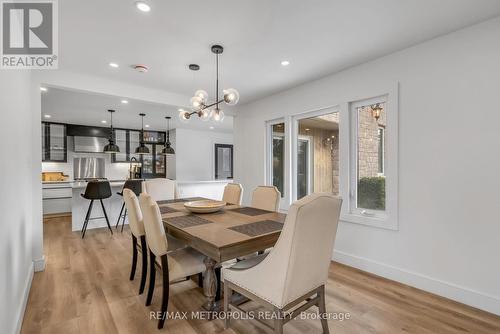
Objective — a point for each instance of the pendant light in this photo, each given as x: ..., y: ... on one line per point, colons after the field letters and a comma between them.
x: 168, y: 149
x: 142, y: 149
x: 111, y: 147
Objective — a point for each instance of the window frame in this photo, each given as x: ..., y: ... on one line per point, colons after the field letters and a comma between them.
x: 387, y: 219
x: 285, y: 196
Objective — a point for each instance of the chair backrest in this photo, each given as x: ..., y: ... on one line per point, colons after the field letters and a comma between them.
x: 233, y: 192
x: 303, y: 252
x: 135, y: 185
x: 153, y: 226
x: 97, y: 190
x: 266, y: 198
x: 134, y: 213
x: 159, y: 189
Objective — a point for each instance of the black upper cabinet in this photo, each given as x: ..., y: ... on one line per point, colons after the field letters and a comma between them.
x: 54, y: 142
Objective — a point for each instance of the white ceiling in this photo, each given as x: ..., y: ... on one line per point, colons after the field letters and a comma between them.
x: 317, y: 37
x: 75, y: 107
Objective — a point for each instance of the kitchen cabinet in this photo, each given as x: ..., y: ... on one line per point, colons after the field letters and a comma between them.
x: 56, y: 198
x: 54, y: 142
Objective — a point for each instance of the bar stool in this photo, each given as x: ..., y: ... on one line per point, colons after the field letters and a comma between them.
x: 96, y: 190
x: 135, y: 185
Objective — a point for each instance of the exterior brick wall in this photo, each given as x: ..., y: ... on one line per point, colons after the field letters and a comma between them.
x: 368, y: 143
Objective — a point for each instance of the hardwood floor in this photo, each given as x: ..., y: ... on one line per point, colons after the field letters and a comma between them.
x: 85, y: 289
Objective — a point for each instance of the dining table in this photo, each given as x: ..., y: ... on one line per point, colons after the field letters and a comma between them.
x: 233, y: 232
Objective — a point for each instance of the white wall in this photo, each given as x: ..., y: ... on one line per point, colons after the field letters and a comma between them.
x: 194, y: 153
x: 16, y: 205
x: 448, y: 240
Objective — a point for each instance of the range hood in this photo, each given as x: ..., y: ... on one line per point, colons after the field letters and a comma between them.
x: 89, y: 144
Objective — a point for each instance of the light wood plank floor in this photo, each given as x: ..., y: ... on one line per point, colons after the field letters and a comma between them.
x: 85, y: 289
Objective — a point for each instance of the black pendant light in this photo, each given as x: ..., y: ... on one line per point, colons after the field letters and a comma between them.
x: 142, y: 149
x: 111, y: 147
x: 168, y: 149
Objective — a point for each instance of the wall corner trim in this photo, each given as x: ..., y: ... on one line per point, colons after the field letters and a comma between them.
x: 22, y: 307
x: 441, y: 288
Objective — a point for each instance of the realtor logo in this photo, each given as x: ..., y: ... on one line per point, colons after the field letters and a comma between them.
x: 29, y: 34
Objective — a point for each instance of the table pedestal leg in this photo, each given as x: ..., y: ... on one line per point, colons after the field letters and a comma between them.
x: 210, y: 284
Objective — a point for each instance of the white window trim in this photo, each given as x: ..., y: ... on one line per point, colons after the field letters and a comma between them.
x: 285, y: 199
x: 389, y: 220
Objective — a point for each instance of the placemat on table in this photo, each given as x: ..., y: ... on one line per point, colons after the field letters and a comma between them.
x: 166, y: 209
x: 258, y: 228
x: 180, y: 200
x: 249, y: 211
x: 188, y: 221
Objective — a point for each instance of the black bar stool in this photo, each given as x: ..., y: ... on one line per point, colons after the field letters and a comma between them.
x: 136, y: 186
x: 96, y: 190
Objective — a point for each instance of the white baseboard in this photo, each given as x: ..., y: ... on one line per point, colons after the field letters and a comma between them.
x: 26, y: 293
x: 39, y: 265
x: 448, y: 290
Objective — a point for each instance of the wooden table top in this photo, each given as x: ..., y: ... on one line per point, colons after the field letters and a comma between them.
x: 215, y: 238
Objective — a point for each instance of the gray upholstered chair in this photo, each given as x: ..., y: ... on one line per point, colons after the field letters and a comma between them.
x: 175, y: 265
x: 294, y: 273
x: 136, y: 224
x: 266, y: 198
x: 233, y: 193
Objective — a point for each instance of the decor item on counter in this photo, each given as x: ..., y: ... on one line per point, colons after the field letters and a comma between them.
x: 199, y: 100
x: 204, y: 206
x: 135, y: 169
x: 111, y: 147
x: 168, y: 149
x: 54, y: 176
x: 142, y: 149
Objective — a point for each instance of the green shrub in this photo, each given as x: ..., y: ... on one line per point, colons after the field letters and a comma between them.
x: 371, y: 193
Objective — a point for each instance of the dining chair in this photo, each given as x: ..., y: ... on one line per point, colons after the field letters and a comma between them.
x: 136, y: 224
x: 266, y: 198
x: 233, y: 192
x: 161, y: 189
x: 292, y: 277
x: 175, y: 265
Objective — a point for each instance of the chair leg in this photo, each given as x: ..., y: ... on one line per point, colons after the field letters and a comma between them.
x: 124, y: 215
x: 228, y: 293
x: 278, y: 321
x: 134, y: 257
x: 166, y: 291
x: 200, y: 280
x: 119, y: 216
x: 322, y: 310
x: 152, y: 274
x: 218, y: 293
x: 106, y: 216
x: 144, y: 264
x: 87, y: 217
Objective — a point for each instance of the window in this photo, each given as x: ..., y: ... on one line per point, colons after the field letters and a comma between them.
x: 223, y: 161
x: 372, y: 181
x: 278, y: 156
x: 316, y: 159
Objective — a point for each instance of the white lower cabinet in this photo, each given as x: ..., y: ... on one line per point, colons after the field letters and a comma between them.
x: 56, y: 200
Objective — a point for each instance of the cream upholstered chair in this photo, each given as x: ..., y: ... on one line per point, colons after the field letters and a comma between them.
x: 233, y: 192
x: 137, y: 228
x: 161, y: 189
x: 294, y: 273
x: 266, y: 198
x: 176, y: 265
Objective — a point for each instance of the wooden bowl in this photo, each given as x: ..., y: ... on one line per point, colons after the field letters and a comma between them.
x: 204, y: 206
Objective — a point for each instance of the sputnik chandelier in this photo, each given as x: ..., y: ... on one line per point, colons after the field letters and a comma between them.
x: 199, y: 102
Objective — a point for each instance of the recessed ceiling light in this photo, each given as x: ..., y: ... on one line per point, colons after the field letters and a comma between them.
x: 43, y: 89
x: 47, y: 116
x: 103, y: 121
x: 307, y: 129
x: 114, y: 65
x: 211, y: 128
x: 146, y: 126
x: 143, y: 6
x: 124, y: 101
x: 285, y: 63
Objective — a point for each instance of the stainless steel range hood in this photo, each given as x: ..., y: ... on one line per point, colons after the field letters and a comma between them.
x: 89, y: 144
